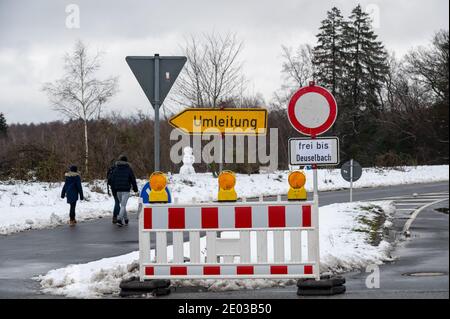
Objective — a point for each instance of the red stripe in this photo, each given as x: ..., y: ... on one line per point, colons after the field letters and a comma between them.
x: 278, y: 270
x: 178, y: 271
x: 210, y: 217
x: 211, y: 270
x: 306, y: 216
x: 149, y: 271
x: 147, y: 218
x: 243, y: 217
x: 244, y: 270
x: 277, y: 216
x: 308, y: 270
x: 176, y: 218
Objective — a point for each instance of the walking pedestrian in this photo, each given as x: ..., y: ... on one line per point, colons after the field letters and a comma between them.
x: 72, y: 190
x: 122, y: 181
x: 109, y: 186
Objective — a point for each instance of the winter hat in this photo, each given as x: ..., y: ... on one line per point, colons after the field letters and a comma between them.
x: 73, y: 168
x: 123, y: 158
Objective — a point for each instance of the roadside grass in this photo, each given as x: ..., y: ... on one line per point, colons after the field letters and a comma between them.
x: 372, y: 223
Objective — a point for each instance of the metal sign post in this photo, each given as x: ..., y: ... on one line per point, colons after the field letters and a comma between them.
x: 314, y: 238
x: 351, y: 180
x: 156, y: 107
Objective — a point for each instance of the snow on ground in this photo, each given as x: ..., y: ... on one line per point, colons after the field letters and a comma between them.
x: 352, y: 235
x: 36, y: 205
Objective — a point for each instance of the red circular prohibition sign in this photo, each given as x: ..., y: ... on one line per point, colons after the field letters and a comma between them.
x: 313, y: 131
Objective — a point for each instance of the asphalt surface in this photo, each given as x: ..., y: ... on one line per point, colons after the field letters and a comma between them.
x: 419, y: 271
x: 30, y: 253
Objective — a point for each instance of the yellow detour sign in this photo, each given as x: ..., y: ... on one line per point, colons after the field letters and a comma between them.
x: 249, y: 121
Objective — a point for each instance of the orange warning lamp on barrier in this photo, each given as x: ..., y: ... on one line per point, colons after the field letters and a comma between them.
x: 158, y: 182
x: 297, y: 182
x: 227, y: 181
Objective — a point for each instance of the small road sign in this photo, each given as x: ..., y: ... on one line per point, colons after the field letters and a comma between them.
x: 312, y: 110
x: 144, y: 69
x: 156, y: 75
x: 320, y: 151
x: 351, y: 171
x: 246, y: 121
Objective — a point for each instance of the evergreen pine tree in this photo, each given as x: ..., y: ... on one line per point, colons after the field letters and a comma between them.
x: 3, y: 125
x: 328, y: 54
x: 366, y: 61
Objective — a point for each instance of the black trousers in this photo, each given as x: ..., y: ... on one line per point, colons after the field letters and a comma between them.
x: 72, y: 210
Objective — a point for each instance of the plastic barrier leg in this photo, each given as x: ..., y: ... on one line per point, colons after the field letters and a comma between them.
x: 326, y: 286
x: 133, y: 287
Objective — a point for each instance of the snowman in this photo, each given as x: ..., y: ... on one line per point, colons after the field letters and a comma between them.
x: 188, y: 160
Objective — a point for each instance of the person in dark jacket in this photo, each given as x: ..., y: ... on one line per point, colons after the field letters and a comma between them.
x: 122, y: 181
x: 72, y: 190
x: 109, y: 174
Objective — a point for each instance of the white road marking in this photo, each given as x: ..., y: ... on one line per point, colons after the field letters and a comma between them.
x: 411, y: 204
x: 420, y: 199
x: 414, y: 200
x: 417, y: 212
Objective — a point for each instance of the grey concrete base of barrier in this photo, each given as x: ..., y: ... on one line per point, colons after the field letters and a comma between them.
x: 326, y: 286
x: 134, y: 287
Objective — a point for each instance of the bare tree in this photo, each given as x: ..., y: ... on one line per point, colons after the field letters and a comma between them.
x: 213, y: 72
x: 79, y: 94
x: 430, y: 66
x: 297, y: 70
x: 297, y: 66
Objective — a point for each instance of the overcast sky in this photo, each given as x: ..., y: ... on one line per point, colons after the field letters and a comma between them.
x: 34, y: 37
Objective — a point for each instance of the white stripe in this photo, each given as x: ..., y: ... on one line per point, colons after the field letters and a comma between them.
x: 162, y: 270
x: 228, y: 270
x: 226, y: 216
x: 260, y: 216
x: 261, y: 270
x: 296, y: 269
x: 195, y: 270
x: 192, y: 217
x: 294, y: 215
x: 160, y: 218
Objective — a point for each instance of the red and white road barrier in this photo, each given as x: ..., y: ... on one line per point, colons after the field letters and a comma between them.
x: 265, y: 224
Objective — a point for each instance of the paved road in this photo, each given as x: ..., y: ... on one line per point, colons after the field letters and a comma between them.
x: 425, y: 252
x: 31, y: 253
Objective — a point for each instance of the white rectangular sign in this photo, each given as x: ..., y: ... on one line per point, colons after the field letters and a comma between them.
x: 320, y: 151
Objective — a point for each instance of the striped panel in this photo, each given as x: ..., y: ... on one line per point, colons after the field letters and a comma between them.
x: 228, y: 217
x: 228, y: 270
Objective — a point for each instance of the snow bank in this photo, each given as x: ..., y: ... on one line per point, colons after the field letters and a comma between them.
x: 203, y: 186
x: 36, y: 205
x: 351, y: 236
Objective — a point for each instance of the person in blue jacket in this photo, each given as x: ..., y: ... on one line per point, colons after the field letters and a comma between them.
x: 72, y: 190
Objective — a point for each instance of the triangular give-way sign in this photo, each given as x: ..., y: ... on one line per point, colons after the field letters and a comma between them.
x: 143, y: 68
